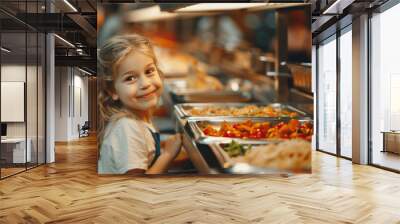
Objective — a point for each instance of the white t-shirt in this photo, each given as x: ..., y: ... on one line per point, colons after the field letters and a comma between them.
x: 127, y: 144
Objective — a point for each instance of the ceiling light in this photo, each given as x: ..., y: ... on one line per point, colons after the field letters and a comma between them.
x: 70, y: 5
x: 84, y: 71
x: 337, y: 7
x: 5, y: 50
x: 64, y: 40
x: 148, y: 14
x: 275, y: 5
x: 218, y: 6
x: 78, y: 44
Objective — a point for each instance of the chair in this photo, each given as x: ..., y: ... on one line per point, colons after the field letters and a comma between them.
x: 84, y: 130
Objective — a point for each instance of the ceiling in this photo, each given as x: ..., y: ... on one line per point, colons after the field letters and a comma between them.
x: 330, y: 15
x: 73, y: 20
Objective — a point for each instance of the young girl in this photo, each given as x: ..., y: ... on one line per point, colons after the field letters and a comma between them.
x: 131, y: 85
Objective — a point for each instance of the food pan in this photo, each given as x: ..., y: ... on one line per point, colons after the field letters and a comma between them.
x: 213, y: 96
x: 228, y: 165
x: 196, y: 125
x: 183, y: 110
x: 180, y: 86
x: 180, y: 93
x: 231, y: 167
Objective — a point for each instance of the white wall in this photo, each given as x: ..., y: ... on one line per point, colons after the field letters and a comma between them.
x: 71, y: 93
x: 61, y: 103
x: 12, y: 73
x: 33, y: 127
x: 360, y: 90
x: 50, y: 95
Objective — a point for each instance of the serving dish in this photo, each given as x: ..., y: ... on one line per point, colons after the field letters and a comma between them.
x: 270, y: 158
x: 200, y: 128
x: 231, y: 91
x: 237, y: 110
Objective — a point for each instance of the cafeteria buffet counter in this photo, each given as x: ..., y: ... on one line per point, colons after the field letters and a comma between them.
x: 213, y: 111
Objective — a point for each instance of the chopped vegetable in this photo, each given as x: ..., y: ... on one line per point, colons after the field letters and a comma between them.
x: 235, y: 149
x: 262, y: 130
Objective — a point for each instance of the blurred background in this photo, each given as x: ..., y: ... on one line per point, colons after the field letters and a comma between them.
x: 266, y: 43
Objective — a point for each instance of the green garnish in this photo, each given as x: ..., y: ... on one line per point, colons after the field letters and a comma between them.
x: 235, y: 149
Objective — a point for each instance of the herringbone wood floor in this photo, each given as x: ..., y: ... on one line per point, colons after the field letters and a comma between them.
x: 70, y: 191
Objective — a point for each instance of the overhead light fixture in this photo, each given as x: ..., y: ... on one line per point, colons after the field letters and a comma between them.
x: 337, y: 7
x: 5, y: 50
x: 70, y: 5
x: 219, y: 7
x: 276, y: 5
x: 84, y: 71
x: 79, y: 51
x: 79, y: 44
x: 148, y: 14
x: 65, y: 41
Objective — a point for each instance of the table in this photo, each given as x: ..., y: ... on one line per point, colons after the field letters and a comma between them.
x: 391, y: 141
x: 13, y: 150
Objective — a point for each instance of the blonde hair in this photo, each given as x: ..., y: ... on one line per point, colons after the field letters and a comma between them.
x: 109, y: 58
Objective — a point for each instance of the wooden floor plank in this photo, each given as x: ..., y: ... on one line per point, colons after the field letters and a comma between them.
x: 69, y: 191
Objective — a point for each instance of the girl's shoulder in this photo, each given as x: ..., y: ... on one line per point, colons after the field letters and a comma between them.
x: 124, y: 121
x: 125, y: 124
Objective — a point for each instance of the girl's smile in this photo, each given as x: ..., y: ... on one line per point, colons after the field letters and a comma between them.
x: 148, y: 95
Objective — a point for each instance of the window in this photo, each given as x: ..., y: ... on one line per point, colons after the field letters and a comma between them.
x: 326, y: 101
x: 385, y: 88
x: 346, y: 92
x: 23, y: 77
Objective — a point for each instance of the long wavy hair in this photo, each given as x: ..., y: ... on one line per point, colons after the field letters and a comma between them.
x: 109, y: 57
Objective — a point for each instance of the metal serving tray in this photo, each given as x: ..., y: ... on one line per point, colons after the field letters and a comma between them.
x: 183, y: 109
x: 230, y: 166
x: 180, y: 93
x: 196, y: 124
x: 214, y: 96
x: 180, y: 86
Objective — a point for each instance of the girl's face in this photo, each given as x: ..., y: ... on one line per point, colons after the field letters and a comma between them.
x: 138, y: 84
